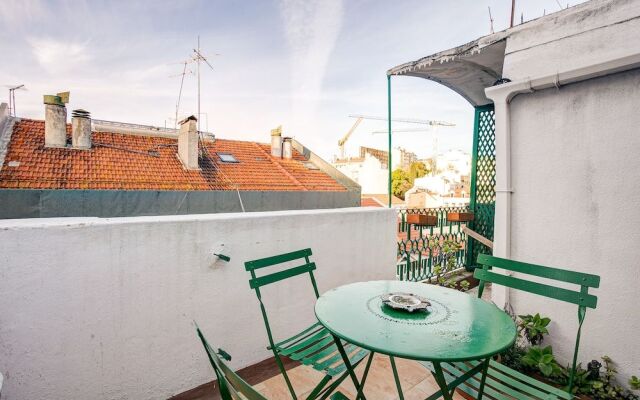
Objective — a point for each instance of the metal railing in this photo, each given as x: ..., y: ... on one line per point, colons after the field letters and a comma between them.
x: 422, y: 249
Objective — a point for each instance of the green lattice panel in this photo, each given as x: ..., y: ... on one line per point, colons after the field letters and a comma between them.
x: 483, y: 196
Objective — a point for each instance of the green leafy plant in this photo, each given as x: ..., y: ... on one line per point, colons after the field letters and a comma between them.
x: 534, y: 327
x: 512, y: 357
x: 606, y: 387
x: 634, y: 382
x: 582, y: 382
x: 542, y: 359
x: 442, y: 271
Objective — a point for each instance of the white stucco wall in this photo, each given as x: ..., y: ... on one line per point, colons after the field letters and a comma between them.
x: 576, y: 187
x: 103, y: 308
x: 589, y: 33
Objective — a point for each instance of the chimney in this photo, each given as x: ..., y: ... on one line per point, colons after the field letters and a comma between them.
x: 80, y: 129
x: 188, y: 142
x: 287, y: 149
x: 55, y: 120
x: 276, y: 142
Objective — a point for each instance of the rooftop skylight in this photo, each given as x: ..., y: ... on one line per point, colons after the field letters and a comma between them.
x: 227, y: 158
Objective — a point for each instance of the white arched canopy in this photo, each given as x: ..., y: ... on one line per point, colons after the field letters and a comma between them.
x: 466, y: 69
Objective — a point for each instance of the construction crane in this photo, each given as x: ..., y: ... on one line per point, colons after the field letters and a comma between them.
x: 360, y: 117
x: 406, y: 120
x: 346, y: 137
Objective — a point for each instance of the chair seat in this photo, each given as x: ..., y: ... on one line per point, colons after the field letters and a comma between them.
x: 315, y: 347
x: 502, y: 382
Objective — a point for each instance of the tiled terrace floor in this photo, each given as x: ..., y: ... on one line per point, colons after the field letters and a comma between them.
x: 417, y: 382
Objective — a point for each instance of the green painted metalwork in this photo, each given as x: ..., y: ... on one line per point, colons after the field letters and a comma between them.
x: 578, y: 278
x: 483, y: 180
x: 230, y: 385
x: 501, y: 383
x: 396, y: 377
x: 581, y: 298
x: 313, y: 346
x: 458, y: 327
x: 421, y: 249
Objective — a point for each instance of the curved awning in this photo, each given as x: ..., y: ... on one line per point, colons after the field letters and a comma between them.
x: 466, y: 69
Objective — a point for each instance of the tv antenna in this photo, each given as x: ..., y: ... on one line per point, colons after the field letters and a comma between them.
x: 490, y: 19
x: 182, y: 75
x: 12, y: 97
x: 198, y: 58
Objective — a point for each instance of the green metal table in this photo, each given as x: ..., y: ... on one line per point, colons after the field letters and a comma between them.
x: 458, y: 327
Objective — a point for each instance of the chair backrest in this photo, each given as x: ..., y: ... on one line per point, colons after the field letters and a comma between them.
x: 303, y: 255
x: 231, y: 385
x: 256, y: 282
x: 581, y: 298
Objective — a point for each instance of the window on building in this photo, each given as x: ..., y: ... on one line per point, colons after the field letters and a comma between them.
x: 227, y: 158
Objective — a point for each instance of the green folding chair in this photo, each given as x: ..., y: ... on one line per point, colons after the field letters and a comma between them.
x: 501, y: 381
x: 315, y: 345
x: 230, y: 385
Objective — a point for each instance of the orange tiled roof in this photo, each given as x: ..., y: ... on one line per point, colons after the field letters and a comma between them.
x: 127, y: 162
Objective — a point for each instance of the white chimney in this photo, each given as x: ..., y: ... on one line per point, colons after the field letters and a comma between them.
x: 276, y: 142
x: 80, y: 129
x: 287, y: 149
x: 188, y: 142
x: 55, y: 121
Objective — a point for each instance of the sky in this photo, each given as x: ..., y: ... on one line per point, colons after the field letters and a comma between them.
x: 306, y: 65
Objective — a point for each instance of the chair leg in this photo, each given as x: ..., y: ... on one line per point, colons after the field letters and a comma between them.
x: 366, y: 369
x: 344, y: 376
x: 347, y: 363
x: 284, y: 374
x: 396, y: 377
x: 441, y: 381
x: 483, y: 379
x: 318, y: 389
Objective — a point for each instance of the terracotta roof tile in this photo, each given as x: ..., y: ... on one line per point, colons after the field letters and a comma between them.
x: 127, y: 162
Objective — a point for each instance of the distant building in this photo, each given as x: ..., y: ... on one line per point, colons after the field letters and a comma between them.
x: 370, y: 169
x: 448, y: 187
x: 97, y: 168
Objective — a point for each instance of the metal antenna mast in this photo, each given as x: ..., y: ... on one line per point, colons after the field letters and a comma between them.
x: 12, y: 97
x: 198, y: 57
x: 184, y: 72
x: 490, y: 18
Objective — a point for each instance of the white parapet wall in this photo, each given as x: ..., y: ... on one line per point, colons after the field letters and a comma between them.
x: 96, y: 308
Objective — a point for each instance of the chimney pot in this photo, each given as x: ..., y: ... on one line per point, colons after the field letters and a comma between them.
x: 188, y: 142
x: 80, y: 129
x: 287, y: 149
x: 276, y: 142
x: 55, y: 122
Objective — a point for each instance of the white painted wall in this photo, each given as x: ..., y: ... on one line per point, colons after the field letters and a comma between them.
x: 576, y: 185
x: 103, y: 308
x: 589, y: 33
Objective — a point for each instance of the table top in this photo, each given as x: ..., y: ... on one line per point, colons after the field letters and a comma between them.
x: 457, y: 326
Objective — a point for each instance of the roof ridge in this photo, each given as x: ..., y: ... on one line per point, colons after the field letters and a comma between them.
x: 280, y: 167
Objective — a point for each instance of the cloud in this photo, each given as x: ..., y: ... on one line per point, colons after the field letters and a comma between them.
x: 16, y: 13
x: 58, y: 55
x: 311, y: 29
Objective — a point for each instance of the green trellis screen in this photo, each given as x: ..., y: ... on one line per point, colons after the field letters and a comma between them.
x: 483, y: 179
x: 421, y: 249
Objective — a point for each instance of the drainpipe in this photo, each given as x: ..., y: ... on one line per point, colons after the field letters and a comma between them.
x: 502, y: 96
x: 389, y: 125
